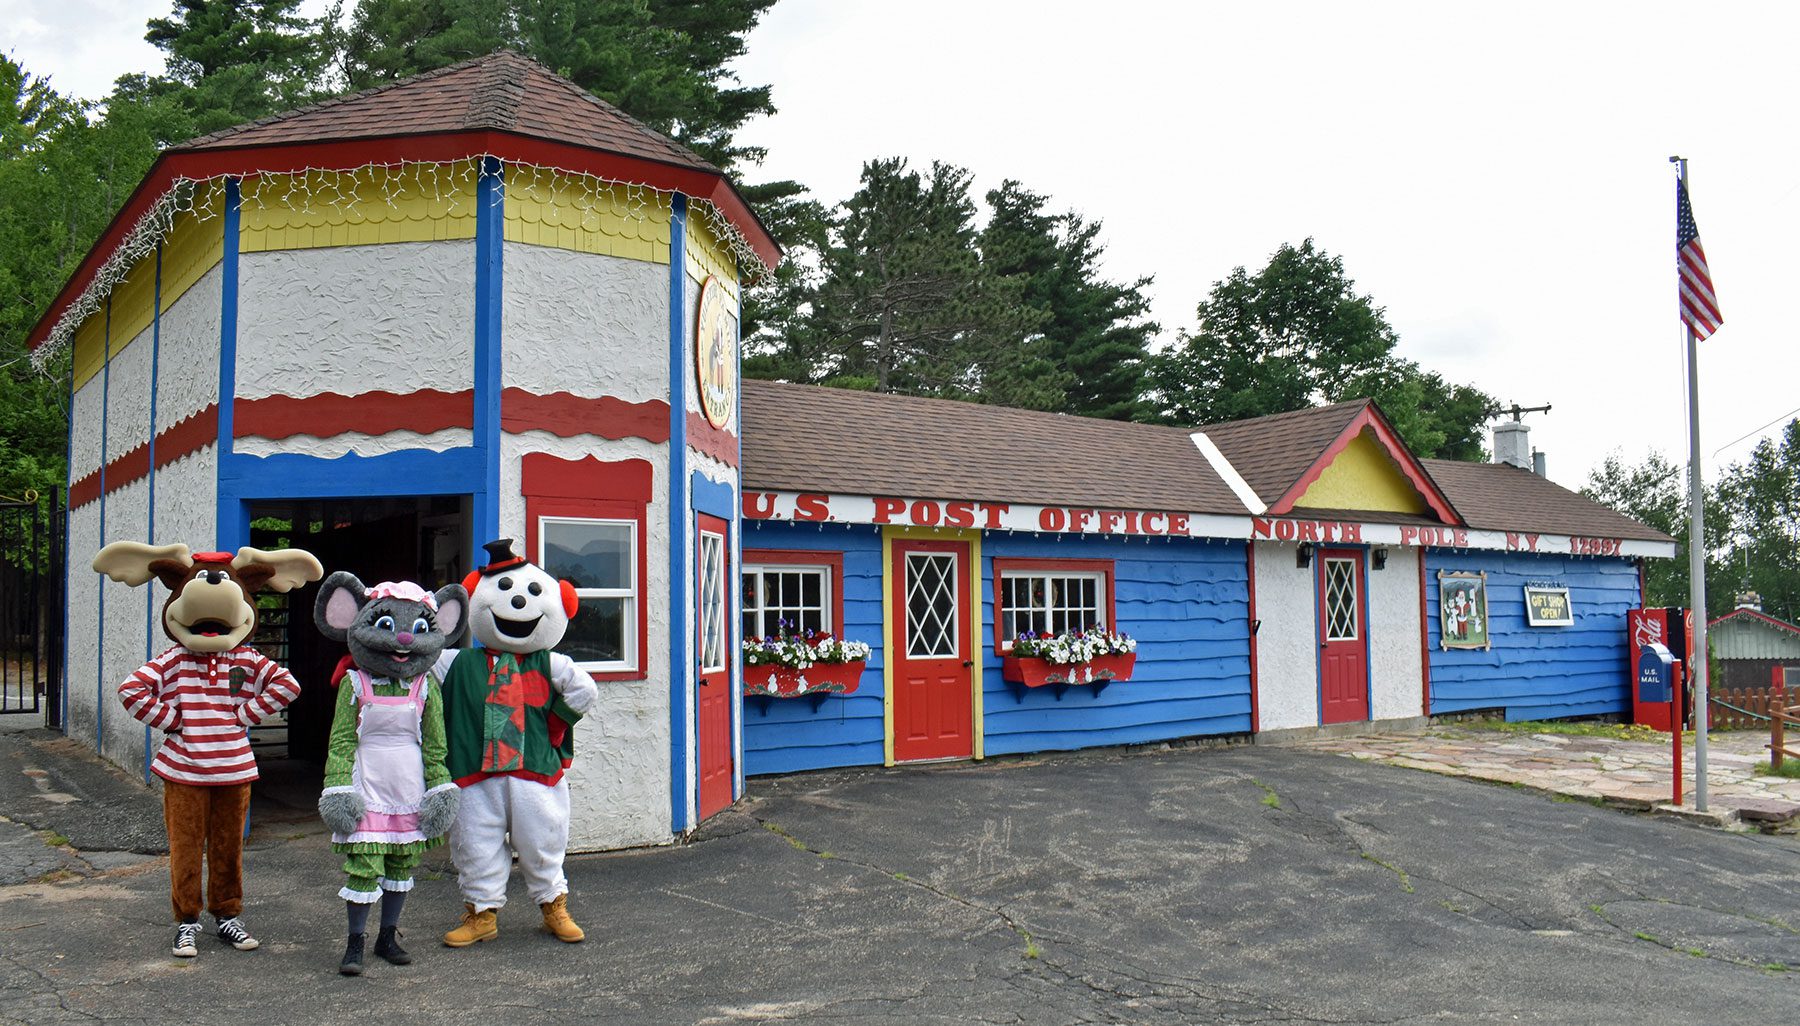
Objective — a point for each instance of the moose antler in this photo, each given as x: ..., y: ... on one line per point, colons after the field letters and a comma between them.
x: 293, y: 567
x: 131, y: 563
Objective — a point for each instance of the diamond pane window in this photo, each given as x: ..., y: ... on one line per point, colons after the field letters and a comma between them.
x: 712, y: 602
x: 930, y: 605
x: 1340, y: 600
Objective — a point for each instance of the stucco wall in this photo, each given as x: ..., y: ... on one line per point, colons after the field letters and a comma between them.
x: 128, y: 398
x: 1395, y: 651
x: 123, y: 641
x: 187, y: 502
x: 353, y: 319
x: 187, y: 368
x: 84, y: 454
x: 1287, y: 646
x: 619, y: 784
x: 585, y: 324
x: 84, y: 627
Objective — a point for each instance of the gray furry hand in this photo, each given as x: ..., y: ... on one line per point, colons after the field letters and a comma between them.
x: 341, y: 810
x: 438, y: 811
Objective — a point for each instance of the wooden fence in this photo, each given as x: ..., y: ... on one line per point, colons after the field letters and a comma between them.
x: 1741, y: 708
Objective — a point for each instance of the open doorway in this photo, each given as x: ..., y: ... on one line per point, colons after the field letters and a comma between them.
x: 401, y: 538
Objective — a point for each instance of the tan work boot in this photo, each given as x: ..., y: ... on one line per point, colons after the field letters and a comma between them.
x: 557, y: 921
x: 475, y: 927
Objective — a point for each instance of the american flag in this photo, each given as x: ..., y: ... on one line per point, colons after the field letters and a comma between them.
x: 1699, y: 307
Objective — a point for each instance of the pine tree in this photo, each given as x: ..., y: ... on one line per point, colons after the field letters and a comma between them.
x: 231, y: 61
x: 1094, y: 330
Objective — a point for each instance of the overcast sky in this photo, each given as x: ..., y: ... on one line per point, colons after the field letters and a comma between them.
x: 1496, y: 178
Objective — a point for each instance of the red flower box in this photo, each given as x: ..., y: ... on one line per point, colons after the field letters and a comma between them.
x: 817, y: 679
x: 1035, y: 672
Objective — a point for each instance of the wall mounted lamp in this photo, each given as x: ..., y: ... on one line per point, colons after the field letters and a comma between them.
x: 1303, y: 555
x: 1378, y: 559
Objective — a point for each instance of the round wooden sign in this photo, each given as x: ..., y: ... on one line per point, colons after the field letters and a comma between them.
x: 715, y: 353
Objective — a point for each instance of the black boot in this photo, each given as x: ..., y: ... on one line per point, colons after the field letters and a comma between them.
x: 388, y: 946
x: 352, y: 965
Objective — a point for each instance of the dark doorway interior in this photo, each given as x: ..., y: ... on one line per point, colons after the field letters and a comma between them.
x: 407, y: 538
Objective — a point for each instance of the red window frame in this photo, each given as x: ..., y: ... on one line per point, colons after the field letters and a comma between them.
x: 832, y: 561
x: 1002, y: 564
x: 595, y: 489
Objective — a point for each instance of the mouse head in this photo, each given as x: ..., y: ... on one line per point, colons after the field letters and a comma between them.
x: 211, y: 607
x: 395, y: 629
x: 515, y: 606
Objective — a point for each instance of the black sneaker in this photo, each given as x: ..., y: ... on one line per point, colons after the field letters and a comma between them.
x: 387, y: 946
x: 185, y: 933
x: 232, y: 932
x: 352, y: 965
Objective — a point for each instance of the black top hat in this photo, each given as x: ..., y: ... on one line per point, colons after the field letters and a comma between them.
x: 501, y: 557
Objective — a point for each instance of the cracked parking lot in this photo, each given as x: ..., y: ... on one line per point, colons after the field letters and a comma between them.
x: 1244, y: 884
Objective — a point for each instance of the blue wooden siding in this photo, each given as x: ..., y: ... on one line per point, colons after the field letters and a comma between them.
x: 782, y: 735
x: 1187, y: 603
x: 1536, y: 672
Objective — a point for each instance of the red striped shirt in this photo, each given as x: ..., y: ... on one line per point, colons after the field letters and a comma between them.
x: 208, y: 701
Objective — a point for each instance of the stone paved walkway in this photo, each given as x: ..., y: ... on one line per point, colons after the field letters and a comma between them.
x: 1629, y: 774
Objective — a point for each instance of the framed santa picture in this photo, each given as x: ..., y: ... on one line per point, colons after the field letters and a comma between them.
x: 1462, y: 609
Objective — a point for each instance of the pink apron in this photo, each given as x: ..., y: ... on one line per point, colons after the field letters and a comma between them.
x: 390, y: 765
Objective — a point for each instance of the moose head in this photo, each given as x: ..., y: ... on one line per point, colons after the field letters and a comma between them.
x: 210, y: 606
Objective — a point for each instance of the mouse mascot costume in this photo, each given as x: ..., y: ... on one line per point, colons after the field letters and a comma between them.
x: 204, y: 694
x: 510, y: 709
x: 388, y: 796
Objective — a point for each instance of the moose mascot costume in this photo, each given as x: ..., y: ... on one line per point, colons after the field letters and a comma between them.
x: 510, y: 709
x: 204, y: 694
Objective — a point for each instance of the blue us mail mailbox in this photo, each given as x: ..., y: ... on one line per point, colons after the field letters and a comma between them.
x: 1655, y: 674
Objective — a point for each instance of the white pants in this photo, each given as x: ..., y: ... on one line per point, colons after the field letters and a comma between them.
x: 536, y: 817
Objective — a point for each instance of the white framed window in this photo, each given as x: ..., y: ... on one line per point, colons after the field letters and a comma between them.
x: 712, y: 602
x: 799, y: 594
x: 1038, y: 601
x: 600, y: 558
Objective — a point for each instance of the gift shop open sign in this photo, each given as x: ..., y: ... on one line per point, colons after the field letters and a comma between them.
x: 715, y: 353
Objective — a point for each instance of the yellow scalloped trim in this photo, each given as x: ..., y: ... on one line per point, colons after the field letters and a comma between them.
x: 586, y: 215
x: 366, y: 207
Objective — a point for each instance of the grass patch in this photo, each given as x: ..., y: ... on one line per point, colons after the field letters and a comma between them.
x: 1775, y: 967
x: 1641, y: 935
x: 1270, y: 798
x: 1031, y: 945
x: 793, y: 842
x: 1405, y: 881
x: 1790, y: 768
x: 55, y: 840
x: 1572, y: 728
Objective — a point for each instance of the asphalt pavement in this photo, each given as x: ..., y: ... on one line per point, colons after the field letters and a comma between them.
x: 1239, y: 884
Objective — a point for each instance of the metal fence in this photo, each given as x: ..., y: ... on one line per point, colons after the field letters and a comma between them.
x: 31, y: 606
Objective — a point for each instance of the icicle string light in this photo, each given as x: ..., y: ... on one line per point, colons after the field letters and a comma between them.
x: 447, y: 186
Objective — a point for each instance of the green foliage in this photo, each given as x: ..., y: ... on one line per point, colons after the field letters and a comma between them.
x: 1654, y: 492
x: 1095, y: 331
x: 1761, y: 498
x: 1296, y: 334
x: 232, y: 61
x: 904, y: 303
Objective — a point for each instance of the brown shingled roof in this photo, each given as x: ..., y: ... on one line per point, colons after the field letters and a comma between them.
x: 1501, y: 497
x: 812, y: 439
x: 503, y: 92
x: 1270, y: 453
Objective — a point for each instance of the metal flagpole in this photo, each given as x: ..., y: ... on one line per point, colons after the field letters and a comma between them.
x: 1696, y: 657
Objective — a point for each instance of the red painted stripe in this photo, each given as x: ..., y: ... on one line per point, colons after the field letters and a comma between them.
x: 566, y: 415
x: 371, y: 413
x: 435, y: 148
x: 718, y: 443
x: 182, y: 439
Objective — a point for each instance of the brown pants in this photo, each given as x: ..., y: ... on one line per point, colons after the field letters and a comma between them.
x: 206, y: 822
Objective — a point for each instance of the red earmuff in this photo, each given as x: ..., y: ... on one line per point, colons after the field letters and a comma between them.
x: 570, y: 602
x: 471, y: 581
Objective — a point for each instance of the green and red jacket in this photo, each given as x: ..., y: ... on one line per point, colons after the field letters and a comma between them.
x: 520, y: 727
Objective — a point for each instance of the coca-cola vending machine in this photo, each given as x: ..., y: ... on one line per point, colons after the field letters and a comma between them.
x: 1673, y: 628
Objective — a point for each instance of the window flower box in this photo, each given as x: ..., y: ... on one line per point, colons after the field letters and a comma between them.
x: 792, y: 682
x: 1036, y: 671
x: 811, y: 665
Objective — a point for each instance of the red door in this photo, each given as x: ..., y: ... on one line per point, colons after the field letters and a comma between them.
x: 713, y: 560
x: 934, y: 707
x: 1343, y: 638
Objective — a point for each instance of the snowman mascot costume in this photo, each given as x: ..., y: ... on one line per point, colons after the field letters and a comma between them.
x: 510, y: 709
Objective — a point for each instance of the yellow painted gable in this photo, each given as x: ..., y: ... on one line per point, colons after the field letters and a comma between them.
x: 1363, y: 476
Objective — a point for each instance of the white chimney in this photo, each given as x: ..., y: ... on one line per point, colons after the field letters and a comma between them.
x: 1512, y: 443
x: 1537, y: 463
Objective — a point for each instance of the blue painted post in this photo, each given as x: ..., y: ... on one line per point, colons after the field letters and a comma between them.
x: 150, y: 471
x: 679, y: 664
x: 230, y: 526
x: 68, y: 537
x: 490, y: 244
x: 100, y: 622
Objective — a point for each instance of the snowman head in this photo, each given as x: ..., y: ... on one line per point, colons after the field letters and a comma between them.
x: 515, y: 606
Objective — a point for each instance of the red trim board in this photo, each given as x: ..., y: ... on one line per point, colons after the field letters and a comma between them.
x: 1003, y: 564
